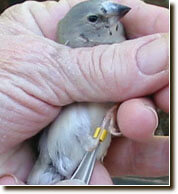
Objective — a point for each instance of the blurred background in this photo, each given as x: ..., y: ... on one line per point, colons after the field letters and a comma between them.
x: 129, y: 180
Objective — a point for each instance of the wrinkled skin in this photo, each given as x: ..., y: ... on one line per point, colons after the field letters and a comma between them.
x: 31, y: 68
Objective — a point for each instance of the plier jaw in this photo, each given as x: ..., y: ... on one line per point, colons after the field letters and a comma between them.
x: 86, y: 166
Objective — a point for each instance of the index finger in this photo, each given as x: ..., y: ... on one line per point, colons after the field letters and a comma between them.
x: 145, y: 19
x: 42, y: 17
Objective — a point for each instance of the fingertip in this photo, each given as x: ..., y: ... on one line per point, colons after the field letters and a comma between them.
x: 10, y: 180
x: 100, y: 175
x: 137, y: 119
x: 162, y: 99
x: 7, y: 180
x: 141, y: 11
x: 126, y: 157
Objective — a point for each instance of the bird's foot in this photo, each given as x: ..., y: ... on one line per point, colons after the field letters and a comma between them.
x: 109, y: 121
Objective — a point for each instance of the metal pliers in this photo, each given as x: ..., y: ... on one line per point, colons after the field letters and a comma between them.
x: 85, y: 168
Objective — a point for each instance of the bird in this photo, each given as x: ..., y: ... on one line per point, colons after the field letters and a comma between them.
x: 63, y: 144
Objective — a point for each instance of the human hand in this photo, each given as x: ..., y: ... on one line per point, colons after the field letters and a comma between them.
x: 36, y: 81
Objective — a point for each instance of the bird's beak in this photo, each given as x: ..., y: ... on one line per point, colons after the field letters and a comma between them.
x: 114, y: 9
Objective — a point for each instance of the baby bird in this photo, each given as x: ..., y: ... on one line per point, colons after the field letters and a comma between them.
x: 63, y: 145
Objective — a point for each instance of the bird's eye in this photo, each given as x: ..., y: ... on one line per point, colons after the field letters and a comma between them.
x: 92, y: 18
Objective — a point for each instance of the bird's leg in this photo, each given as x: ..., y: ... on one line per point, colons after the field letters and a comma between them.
x: 89, y: 143
x: 109, y: 121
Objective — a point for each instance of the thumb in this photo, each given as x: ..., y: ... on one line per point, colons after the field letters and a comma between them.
x: 58, y: 75
x: 117, y: 72
x: 39, y: 75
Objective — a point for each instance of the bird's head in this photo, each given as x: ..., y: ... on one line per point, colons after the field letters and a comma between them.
x: 91, y: 23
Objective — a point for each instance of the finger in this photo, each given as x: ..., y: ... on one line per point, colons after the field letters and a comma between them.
x: 45, y: 75
x: 10, y: 180
x: 128, y: 157
x: 161, y: 99
x: 18, y: 161
x: 100, y: 175
x: 118, y: 76
x: 137, y: 119
x: 42, y: 18
x: 140, y: 12
x: 133, y: 21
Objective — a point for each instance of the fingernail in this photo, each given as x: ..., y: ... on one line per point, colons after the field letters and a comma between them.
x: 155, y: 116
x: 8, y: 180
x: 152, y: 57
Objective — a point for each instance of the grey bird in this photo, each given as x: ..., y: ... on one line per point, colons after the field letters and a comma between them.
x: 63, y: 145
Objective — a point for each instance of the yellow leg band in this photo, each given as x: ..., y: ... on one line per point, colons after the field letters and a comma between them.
x: 97, y: 132
x: 103, y: 135
x: 100, y: 133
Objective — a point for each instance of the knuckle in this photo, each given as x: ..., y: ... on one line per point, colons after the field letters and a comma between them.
x: 117, y: 69
x: 109, y: 70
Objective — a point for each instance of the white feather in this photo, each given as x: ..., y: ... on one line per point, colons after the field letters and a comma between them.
x: 63, y: 146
